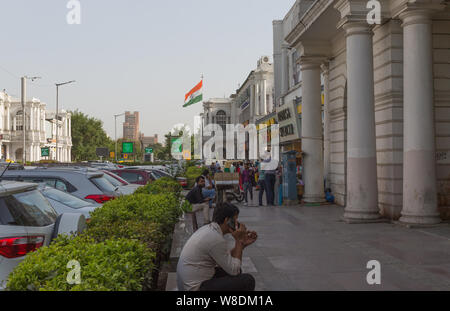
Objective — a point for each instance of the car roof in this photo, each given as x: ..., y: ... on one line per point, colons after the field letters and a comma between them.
x: 48, y: 171
x: 9, y: 187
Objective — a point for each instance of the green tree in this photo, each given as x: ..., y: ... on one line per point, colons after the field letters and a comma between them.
x: 88, y: 135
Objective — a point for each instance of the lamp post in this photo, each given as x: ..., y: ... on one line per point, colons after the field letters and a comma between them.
x: 23, y: 102
x: 115, y: 132
x: 57, y: 113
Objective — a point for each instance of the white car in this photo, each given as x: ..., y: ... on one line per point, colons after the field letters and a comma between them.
x: 28, y: 222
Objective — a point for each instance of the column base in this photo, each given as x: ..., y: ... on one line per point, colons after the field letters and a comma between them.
x: 361, y: 216
x: 420, y: 219
x: 314, y: 199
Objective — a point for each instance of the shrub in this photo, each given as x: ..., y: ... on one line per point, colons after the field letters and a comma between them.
x: 111, y: 265
x: 162, y: 209
x: 162, y: 185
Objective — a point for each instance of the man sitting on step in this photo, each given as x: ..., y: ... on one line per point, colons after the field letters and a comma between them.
x: 207, y: 264
x: 195, y: 197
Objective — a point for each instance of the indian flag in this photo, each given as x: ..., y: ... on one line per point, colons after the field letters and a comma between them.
x: 194, y: 96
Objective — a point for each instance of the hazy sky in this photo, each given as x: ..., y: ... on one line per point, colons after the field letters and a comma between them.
x: 137, y: 55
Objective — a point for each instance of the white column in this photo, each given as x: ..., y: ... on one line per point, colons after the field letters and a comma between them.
x: 419, y: 166
x: 284, y: 71
x: 326, y: 124
x: 362, y: 192
x: 253, y: 99
x: 312, y: 130
x: 263, y: 96
x: 8, y: 118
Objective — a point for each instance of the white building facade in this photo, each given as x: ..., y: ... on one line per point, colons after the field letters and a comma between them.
x: 40, y: 131
x: 385, y: 143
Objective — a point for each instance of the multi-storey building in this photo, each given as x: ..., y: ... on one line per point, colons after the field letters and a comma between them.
x: 131, y: 126
x: 40, y: 131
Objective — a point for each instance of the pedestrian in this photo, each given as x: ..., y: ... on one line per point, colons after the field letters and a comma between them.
x: 269, y: 179
x: 261, y: 184
x: 207, y: 264
x: 247, y: 176
x: 198, y: 201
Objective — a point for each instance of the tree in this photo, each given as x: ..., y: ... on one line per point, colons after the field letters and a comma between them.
x: 88, y: 135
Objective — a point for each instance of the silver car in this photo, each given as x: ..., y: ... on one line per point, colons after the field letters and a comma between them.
x: 84, y: 183
x: 64, y: 202
x: 123, y: 186
x: 28, y: 222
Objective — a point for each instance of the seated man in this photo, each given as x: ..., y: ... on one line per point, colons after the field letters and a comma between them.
x: 195, y: 197
x: 207, y: 264
x: 208, y: 191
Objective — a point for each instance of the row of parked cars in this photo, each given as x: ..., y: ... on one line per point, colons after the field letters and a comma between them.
x: 38, y: 204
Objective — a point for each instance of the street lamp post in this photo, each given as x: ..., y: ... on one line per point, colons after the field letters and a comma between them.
x: 115, y: 132
x: 57, y: 113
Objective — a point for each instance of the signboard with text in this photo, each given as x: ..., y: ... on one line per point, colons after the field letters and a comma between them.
x: 128, y: 147
x: 148, y: 150
x: 45, y: 152
x: 289, y: 122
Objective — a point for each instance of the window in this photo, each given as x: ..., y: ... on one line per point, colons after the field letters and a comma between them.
x: 131, y: 177
x: 65, y: 198
x: 103, y: 184
x: 19, y: 120
x: 26, y: 209
x: 221, y: 118
x: 296, y: 68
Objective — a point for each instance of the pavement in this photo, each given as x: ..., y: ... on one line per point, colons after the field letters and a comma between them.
x: 311, y: 248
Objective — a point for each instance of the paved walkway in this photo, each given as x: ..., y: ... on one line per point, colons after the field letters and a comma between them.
x: 310, y: 248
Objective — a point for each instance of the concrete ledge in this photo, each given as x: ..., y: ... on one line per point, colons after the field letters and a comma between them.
x: 412, y: 226
x: 171, y: 285
x: 365, y: 221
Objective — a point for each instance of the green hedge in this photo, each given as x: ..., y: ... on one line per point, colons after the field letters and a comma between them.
x: 112, y: 265
x: 120, y: 250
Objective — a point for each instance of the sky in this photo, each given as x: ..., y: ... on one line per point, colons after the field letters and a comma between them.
x: 134, y: 55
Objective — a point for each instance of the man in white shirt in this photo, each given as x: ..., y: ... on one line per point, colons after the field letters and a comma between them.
x: 207, y: 264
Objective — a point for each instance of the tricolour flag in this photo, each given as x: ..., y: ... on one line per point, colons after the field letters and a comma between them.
x: 194, y: 96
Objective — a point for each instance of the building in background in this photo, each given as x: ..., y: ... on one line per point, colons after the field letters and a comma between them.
x: 39, y: 133
x: 131, y: 126
x: 148, y: 140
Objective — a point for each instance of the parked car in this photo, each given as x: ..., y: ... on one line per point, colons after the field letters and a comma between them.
x: 28, y: 222
x: 84, y: 183
x: 63, y: 202
x: 103, y: 165
x: 135, y: 176
x: 124, y: 186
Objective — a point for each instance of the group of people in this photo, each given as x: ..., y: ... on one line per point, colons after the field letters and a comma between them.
x: 252, y: 175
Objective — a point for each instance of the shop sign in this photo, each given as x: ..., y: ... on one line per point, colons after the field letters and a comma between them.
x: 289, y: 122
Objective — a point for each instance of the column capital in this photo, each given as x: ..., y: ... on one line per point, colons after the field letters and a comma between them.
x: 311, y: 62
x: 313, y: 51
x: 405, y: 8
x: 357, y: 28
x: 358, y: 10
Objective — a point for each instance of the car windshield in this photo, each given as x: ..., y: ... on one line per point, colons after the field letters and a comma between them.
x: 103, y: 184
x: 26, y: 209
x: 65, y: 198
x: 113, y: 181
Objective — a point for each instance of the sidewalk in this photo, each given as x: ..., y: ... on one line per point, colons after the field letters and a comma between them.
x: 309, y: 248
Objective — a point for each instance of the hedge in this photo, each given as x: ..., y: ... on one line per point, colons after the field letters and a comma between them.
x: 120, y: 250
x: 112, y: 265
x: 192, y: 173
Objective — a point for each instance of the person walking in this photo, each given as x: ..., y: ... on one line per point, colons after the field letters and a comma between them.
x: 247, y: 176
x: 261, y: 184
x: 269, y: 179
